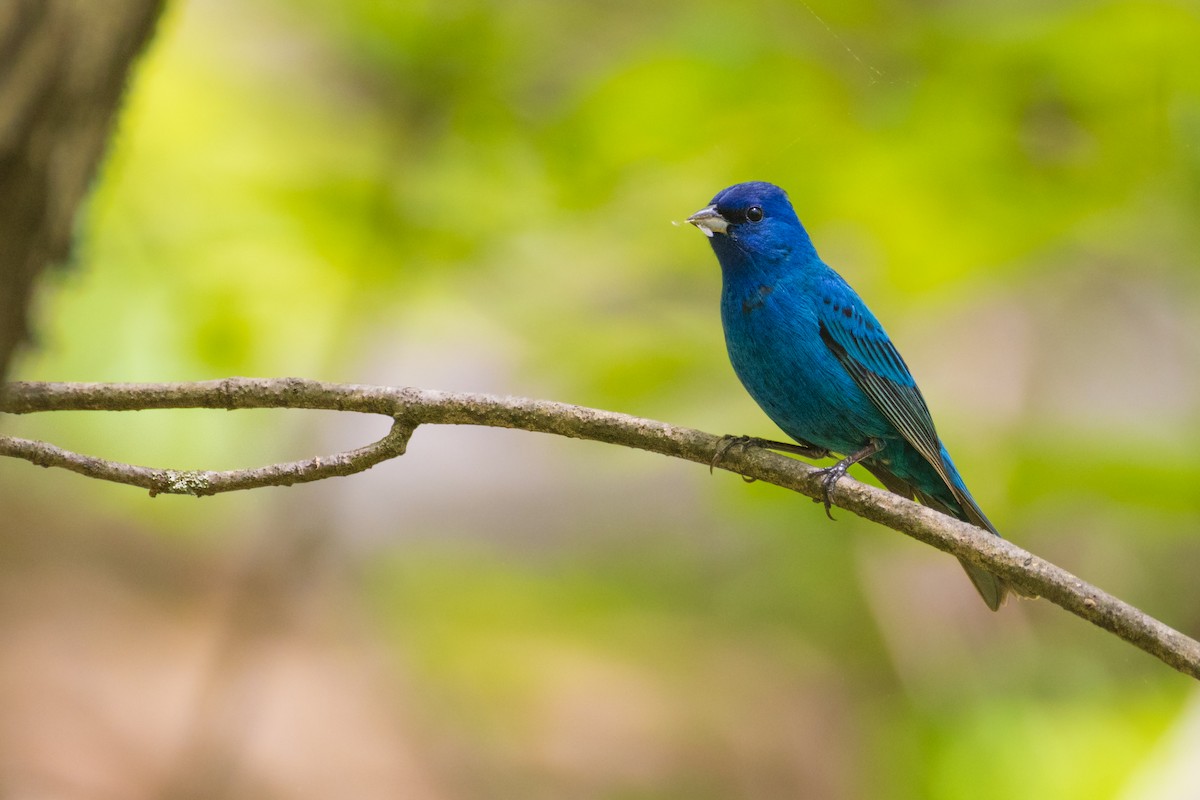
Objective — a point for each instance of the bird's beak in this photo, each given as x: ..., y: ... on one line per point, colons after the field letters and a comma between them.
x: 710, y: 221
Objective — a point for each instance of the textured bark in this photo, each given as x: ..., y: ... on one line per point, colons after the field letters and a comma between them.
x: 64, y: 65
x: 410, y: 408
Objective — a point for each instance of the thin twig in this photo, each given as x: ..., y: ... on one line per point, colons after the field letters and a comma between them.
x: 413, y: 407
x: 205, y: 482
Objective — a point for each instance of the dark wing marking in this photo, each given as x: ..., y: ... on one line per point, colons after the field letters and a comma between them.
x: 862, y: 347
x: 867, y: 354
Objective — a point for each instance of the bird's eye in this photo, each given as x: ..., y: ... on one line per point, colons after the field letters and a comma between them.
x: 754, y: 213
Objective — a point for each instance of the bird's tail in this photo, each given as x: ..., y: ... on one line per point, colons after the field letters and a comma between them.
x: 992, y: 588
x: 989, y: 585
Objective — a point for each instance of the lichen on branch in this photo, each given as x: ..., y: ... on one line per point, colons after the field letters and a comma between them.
x: 410, y: 408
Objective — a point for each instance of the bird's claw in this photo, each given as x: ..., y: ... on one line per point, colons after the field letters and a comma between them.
x: 829, y: 477
x: 727, y: 443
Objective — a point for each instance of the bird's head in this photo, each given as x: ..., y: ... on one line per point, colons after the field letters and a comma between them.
x: 743, y: 208
x: 751, y: 217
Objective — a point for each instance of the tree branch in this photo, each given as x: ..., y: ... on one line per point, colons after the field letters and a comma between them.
x: 410, y: 408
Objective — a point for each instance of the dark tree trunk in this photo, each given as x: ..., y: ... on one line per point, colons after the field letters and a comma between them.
x: 64, y: 65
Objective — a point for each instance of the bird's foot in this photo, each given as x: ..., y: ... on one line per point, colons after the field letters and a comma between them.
x: 728, y: 442
x: 831, y: 475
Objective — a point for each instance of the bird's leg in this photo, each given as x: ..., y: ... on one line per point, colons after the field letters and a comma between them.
x: 835, y: 473
x: 728, y: 442
x: 798, y: 448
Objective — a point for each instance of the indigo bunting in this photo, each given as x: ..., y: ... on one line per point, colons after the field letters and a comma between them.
x: 818, y: 362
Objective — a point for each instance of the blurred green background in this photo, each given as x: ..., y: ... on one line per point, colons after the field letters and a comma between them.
x: 479, y: 196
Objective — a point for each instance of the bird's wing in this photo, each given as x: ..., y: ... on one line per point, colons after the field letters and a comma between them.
x: 859, y: 342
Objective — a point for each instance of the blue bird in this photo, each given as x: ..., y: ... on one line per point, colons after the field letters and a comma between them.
x: 816, y: 359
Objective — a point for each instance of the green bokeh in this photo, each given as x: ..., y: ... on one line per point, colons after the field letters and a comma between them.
x: 482, y: 194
